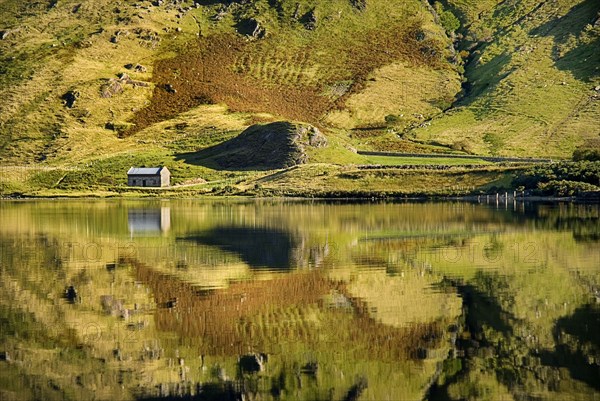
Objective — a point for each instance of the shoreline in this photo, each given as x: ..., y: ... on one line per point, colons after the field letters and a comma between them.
x: 349, y: 197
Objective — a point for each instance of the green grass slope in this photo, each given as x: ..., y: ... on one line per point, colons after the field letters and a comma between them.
x: 531, y: 79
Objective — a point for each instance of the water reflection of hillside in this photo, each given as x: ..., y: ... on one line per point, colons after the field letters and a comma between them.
x: 117, y: 219
x: 503, y: 354
x: 583, y: 220
x: 346, y: 292
x: 298, y: 322
x: 247, y: 316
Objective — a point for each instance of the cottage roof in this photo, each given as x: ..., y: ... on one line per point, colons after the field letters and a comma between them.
x: 145, y: 170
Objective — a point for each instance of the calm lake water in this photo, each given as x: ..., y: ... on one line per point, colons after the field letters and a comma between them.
x: 298, y: 300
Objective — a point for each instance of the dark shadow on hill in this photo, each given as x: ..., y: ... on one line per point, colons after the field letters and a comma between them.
x: 483, y: 79
x: 250, y: 27
x: 259, y: 247
x: 583, y: 60
x: 261, y: 147
x: 580, y: 61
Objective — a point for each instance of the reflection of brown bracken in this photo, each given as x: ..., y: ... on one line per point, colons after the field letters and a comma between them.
x: 216, y: 315
x: 206, y: 74
x: 222, y: 320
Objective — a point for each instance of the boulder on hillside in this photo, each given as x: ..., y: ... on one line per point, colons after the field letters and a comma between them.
x: 136, y: 67
x: 271, y: 146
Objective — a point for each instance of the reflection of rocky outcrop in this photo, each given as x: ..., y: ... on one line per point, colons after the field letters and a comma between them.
x: 263, y: 247
x: 259, y: 247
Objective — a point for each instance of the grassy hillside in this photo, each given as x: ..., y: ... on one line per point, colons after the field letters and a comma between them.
x: 91, y: 88
x: 532, y: 74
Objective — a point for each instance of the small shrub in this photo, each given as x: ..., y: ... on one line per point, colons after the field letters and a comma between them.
x: 448, y: 20
x: 392, y: 119
x: 463, y: 146
x: 229, y: 189
x: 589, y: 154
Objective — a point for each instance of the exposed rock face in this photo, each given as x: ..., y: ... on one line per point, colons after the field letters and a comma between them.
x: 136, y: 67
x: 115, y: 86
x: 71, y: 294
x: 270, y: 146
x: 296, y: 14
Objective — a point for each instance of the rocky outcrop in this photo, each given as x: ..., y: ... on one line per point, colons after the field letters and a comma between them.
x: 71, y: 294
x: 136, y: 67
x: 251, y: 27
x: 270, y: 146
x: 115, y: 86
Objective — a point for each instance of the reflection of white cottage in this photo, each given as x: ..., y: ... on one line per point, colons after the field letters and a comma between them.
x: 148, y: 177
x: 148, y: 221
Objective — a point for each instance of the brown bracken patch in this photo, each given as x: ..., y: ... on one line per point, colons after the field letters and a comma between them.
x: 207, y: 75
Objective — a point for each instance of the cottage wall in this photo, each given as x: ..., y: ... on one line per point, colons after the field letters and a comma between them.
x: 165, y: 177
x: 138, y: 180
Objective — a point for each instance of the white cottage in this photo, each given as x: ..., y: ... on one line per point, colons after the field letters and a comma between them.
x: 149, y: 177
